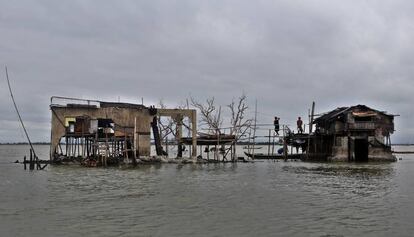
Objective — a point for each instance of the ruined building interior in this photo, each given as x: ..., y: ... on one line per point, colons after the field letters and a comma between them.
x: 108, y: 132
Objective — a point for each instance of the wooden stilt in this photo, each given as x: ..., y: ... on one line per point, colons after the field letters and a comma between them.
x: 73, y: 146
x: 273, y: 143
x: 66, y: 146
x: 31, y: 164
x: 285, y: 151
x: 268, y: 144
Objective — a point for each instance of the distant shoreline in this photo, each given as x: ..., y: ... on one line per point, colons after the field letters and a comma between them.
x: 25, y: 143
x: 241, y: 143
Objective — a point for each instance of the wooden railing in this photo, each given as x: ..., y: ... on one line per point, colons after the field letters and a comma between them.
x: 361, y: 126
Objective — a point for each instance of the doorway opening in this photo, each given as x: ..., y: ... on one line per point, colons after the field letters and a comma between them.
x: 361, y: 150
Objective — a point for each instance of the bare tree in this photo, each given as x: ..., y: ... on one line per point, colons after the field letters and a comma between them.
x: 168, y: 126
x: 210, y: 115
x: 211, y: 118
x: 239, y: 124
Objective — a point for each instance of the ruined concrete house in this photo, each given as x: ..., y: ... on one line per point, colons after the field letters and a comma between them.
x: 96, y: 129
x: 356, y: 133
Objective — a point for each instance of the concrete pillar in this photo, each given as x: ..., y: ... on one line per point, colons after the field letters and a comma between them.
x: 179, y: 135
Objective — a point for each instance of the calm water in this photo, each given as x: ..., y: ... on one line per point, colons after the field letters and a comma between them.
x: 245, y: 199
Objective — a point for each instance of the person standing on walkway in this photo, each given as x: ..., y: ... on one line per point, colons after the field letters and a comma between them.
x: 299, y: 123
x: 276, y: 123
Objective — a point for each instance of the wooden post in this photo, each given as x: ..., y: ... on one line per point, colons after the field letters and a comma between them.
x: 31, y: 164
x: 135, y: 138
x: 138, y: 150
x: 24, y: 162
x: 231, y: 151
x: 79, y: 146
x: 78, y: 141
x: 125, y: 145
x: 215, y: 146
x: 311, y: 117
x: 285, y: 152
x: 194, y: 132
x: 254, y: 130
x: 87, y: 147
x: 96, y: 147
x: 349, y: 147
x: 310, y: 129
x: 60, y: 148
x: 268, y: 144
x: 106, y: 149
x: 134, y: 160
x: 66, y: 145
x: 84, y: 147
x: 69, y: 146
x: 234, y: 150
x: 389, y: 140
x: 38, y: 166
x: 73, y: 146
x: 166, y: 146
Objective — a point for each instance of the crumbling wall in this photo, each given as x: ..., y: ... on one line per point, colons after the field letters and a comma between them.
x: 340, y: 149
x: 380, y: 154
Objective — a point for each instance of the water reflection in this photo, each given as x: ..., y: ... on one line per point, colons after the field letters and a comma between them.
x: 243, y: 199
x: 349, y: 169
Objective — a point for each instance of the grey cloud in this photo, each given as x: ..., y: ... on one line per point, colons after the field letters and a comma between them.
x: 285, y: 54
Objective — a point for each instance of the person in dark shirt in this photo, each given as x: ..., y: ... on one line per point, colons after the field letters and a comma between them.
x: 299, y: 123
x: 276, y: 123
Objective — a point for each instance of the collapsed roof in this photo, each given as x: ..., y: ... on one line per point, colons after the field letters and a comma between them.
x: 357, y: 111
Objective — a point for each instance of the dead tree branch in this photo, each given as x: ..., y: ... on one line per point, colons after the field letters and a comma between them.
x: 239, y: 124
x: 210, y: 115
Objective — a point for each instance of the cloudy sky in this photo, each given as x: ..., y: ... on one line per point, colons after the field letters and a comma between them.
x: 284, y: 54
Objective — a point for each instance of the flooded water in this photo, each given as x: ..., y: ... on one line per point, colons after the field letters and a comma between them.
x: 244, y: 199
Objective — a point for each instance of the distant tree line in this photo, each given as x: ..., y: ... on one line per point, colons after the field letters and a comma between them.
x: 24, y: 143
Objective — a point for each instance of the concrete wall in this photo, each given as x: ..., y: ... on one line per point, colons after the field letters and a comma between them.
x: 340, y: 151
x: 379, y: 154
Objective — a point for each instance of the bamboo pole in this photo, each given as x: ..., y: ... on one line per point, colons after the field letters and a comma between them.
x: 310, y: 129
x: 18, y: 114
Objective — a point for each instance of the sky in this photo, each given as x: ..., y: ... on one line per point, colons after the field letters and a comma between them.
x: 282, y: 54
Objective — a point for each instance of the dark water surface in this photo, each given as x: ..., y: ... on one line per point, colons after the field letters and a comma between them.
x: 244, y: 199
